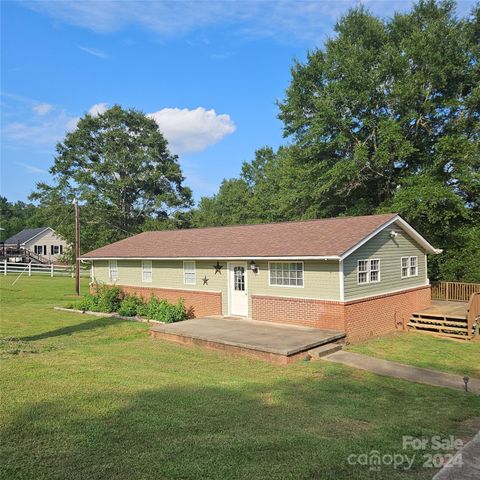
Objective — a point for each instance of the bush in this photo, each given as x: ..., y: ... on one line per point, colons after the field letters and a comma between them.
x: 142, y: 309
x: 109, y: 299
x: 129, y: 306
x: 88, y: 302
x: 166, y: 312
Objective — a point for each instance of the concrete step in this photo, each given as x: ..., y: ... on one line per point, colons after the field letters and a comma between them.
x: 323, y: 350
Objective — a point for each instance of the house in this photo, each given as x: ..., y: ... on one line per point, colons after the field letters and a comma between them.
x: 40, y: 244
x: 361, y: 275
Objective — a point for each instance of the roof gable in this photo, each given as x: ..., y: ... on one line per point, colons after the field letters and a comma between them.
x: 25, y: 235
x: 332, y: 238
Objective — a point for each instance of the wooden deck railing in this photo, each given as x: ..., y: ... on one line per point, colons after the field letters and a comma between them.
x: 459, y: 292
x: 473, y: 313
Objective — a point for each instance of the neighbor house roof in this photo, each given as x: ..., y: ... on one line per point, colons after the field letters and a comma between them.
x: 25, y: 235
x: 331, y: 238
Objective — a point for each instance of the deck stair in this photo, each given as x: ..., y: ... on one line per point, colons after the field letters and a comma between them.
x: 450, y: 319
x: 455, y: 327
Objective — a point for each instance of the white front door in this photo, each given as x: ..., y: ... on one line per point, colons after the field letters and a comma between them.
x: 238, y: 289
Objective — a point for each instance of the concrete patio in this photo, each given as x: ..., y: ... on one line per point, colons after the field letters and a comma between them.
x: 273, y: 342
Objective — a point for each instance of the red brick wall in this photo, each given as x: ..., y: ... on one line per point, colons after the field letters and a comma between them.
x: 199, y: 304
x: 360, y: 319
x: 384, y: 313
x: 298, y: 311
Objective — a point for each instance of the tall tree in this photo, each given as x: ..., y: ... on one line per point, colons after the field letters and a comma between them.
x: 385, y: 117
x: 119, y: 167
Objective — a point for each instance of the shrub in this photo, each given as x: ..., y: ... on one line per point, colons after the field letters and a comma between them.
x: 129, y: 306
x: 88, y: 302
x: 166, y: 312
x: 109, y: 299
x: 142, y: 309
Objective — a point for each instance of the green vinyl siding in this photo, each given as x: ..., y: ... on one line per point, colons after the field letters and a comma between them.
x: 167, y: 274
x: 321, y: 278
x: 389, y: 250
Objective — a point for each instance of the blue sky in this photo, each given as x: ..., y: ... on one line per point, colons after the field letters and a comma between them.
x: 210, y: 73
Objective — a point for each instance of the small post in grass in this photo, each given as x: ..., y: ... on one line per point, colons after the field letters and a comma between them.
x: 465, y: 380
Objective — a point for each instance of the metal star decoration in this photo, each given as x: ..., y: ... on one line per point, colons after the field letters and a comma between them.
x: 205, y: 280
x: 218, y: 268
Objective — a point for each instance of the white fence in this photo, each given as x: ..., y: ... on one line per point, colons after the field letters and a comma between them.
x: 40, y: 269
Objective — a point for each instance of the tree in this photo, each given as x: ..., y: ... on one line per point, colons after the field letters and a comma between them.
x: 384, y: 118
x: 119, y: 167
x: 17, y: 216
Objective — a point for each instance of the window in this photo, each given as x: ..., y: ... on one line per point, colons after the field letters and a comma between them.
x: 374, y: 270
x: 368, y: 271
x: 189, y: 275
x: 409, y: 267
x: 113, y: 270
x: 38, y: 249
x: 404, y: 267
x: 146, y: 271
x: 363, y: 271
x: 54, y: 249
x: 413, y: 266
x: 285, y: 274
x: 239, y: 279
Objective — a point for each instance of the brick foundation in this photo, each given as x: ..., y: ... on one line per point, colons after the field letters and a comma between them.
x: 299, y: 311
x: 384, y: 313
x: 360, y: 319
x: 197, y: 303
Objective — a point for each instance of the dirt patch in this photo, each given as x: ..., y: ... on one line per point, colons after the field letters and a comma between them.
x: 11, y: 347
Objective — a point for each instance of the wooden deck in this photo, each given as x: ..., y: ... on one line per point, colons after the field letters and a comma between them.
x: 444, y: 318
x: 442, y: 308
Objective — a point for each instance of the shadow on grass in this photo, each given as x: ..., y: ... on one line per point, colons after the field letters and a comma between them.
x: 287, y: 430
x: 78, y: 327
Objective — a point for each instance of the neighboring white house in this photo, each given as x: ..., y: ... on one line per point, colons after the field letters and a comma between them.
x: 42, y: 243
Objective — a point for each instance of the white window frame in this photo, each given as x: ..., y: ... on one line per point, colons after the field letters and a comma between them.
x: 286, y: 286
x: 370, y: 270
x: 366, y: 271
x: 409, y: 266
x: 415, y: 266
x: 192, y: 271
x: 147, y: 271
x: 113, y: 267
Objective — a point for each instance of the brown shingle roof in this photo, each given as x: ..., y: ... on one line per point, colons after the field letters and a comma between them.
x: 329, y: 237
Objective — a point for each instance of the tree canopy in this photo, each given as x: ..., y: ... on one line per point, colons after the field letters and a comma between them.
x: 384, y: 118
x: 119, y: 167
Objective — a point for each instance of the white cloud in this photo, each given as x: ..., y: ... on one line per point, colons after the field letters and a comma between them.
x: 94, y: 51
x: 98, y: 109
x: 192, y: 130
x: 31, y: 168
x: 287, y: 20
x: 42, y: 108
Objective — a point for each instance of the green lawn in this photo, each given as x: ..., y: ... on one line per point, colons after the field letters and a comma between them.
x: 422, y: 350
x: 91, y: 398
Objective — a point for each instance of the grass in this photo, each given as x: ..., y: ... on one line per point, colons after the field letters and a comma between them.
x: 88, y: 397
x: 422, y: 350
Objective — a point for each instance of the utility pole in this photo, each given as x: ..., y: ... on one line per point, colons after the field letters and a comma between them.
x: 77, y: 248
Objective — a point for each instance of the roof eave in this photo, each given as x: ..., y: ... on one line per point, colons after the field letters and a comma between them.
x: 270, y: 258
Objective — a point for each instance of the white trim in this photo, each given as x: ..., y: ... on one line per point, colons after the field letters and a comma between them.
x: 427, y: 280
x: 194, y: 272
x: 365, y: 272
x: 403, y: 224
x: 370, y: 270
x: 409, y: 275
x: 336, y: 300
x: 143, y: 271
x: 233, y: 259
x: 342, y: 280
x: 287, y: 286
x: 111, y: 262
x: 31, y: 238
x: 229, y: 289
